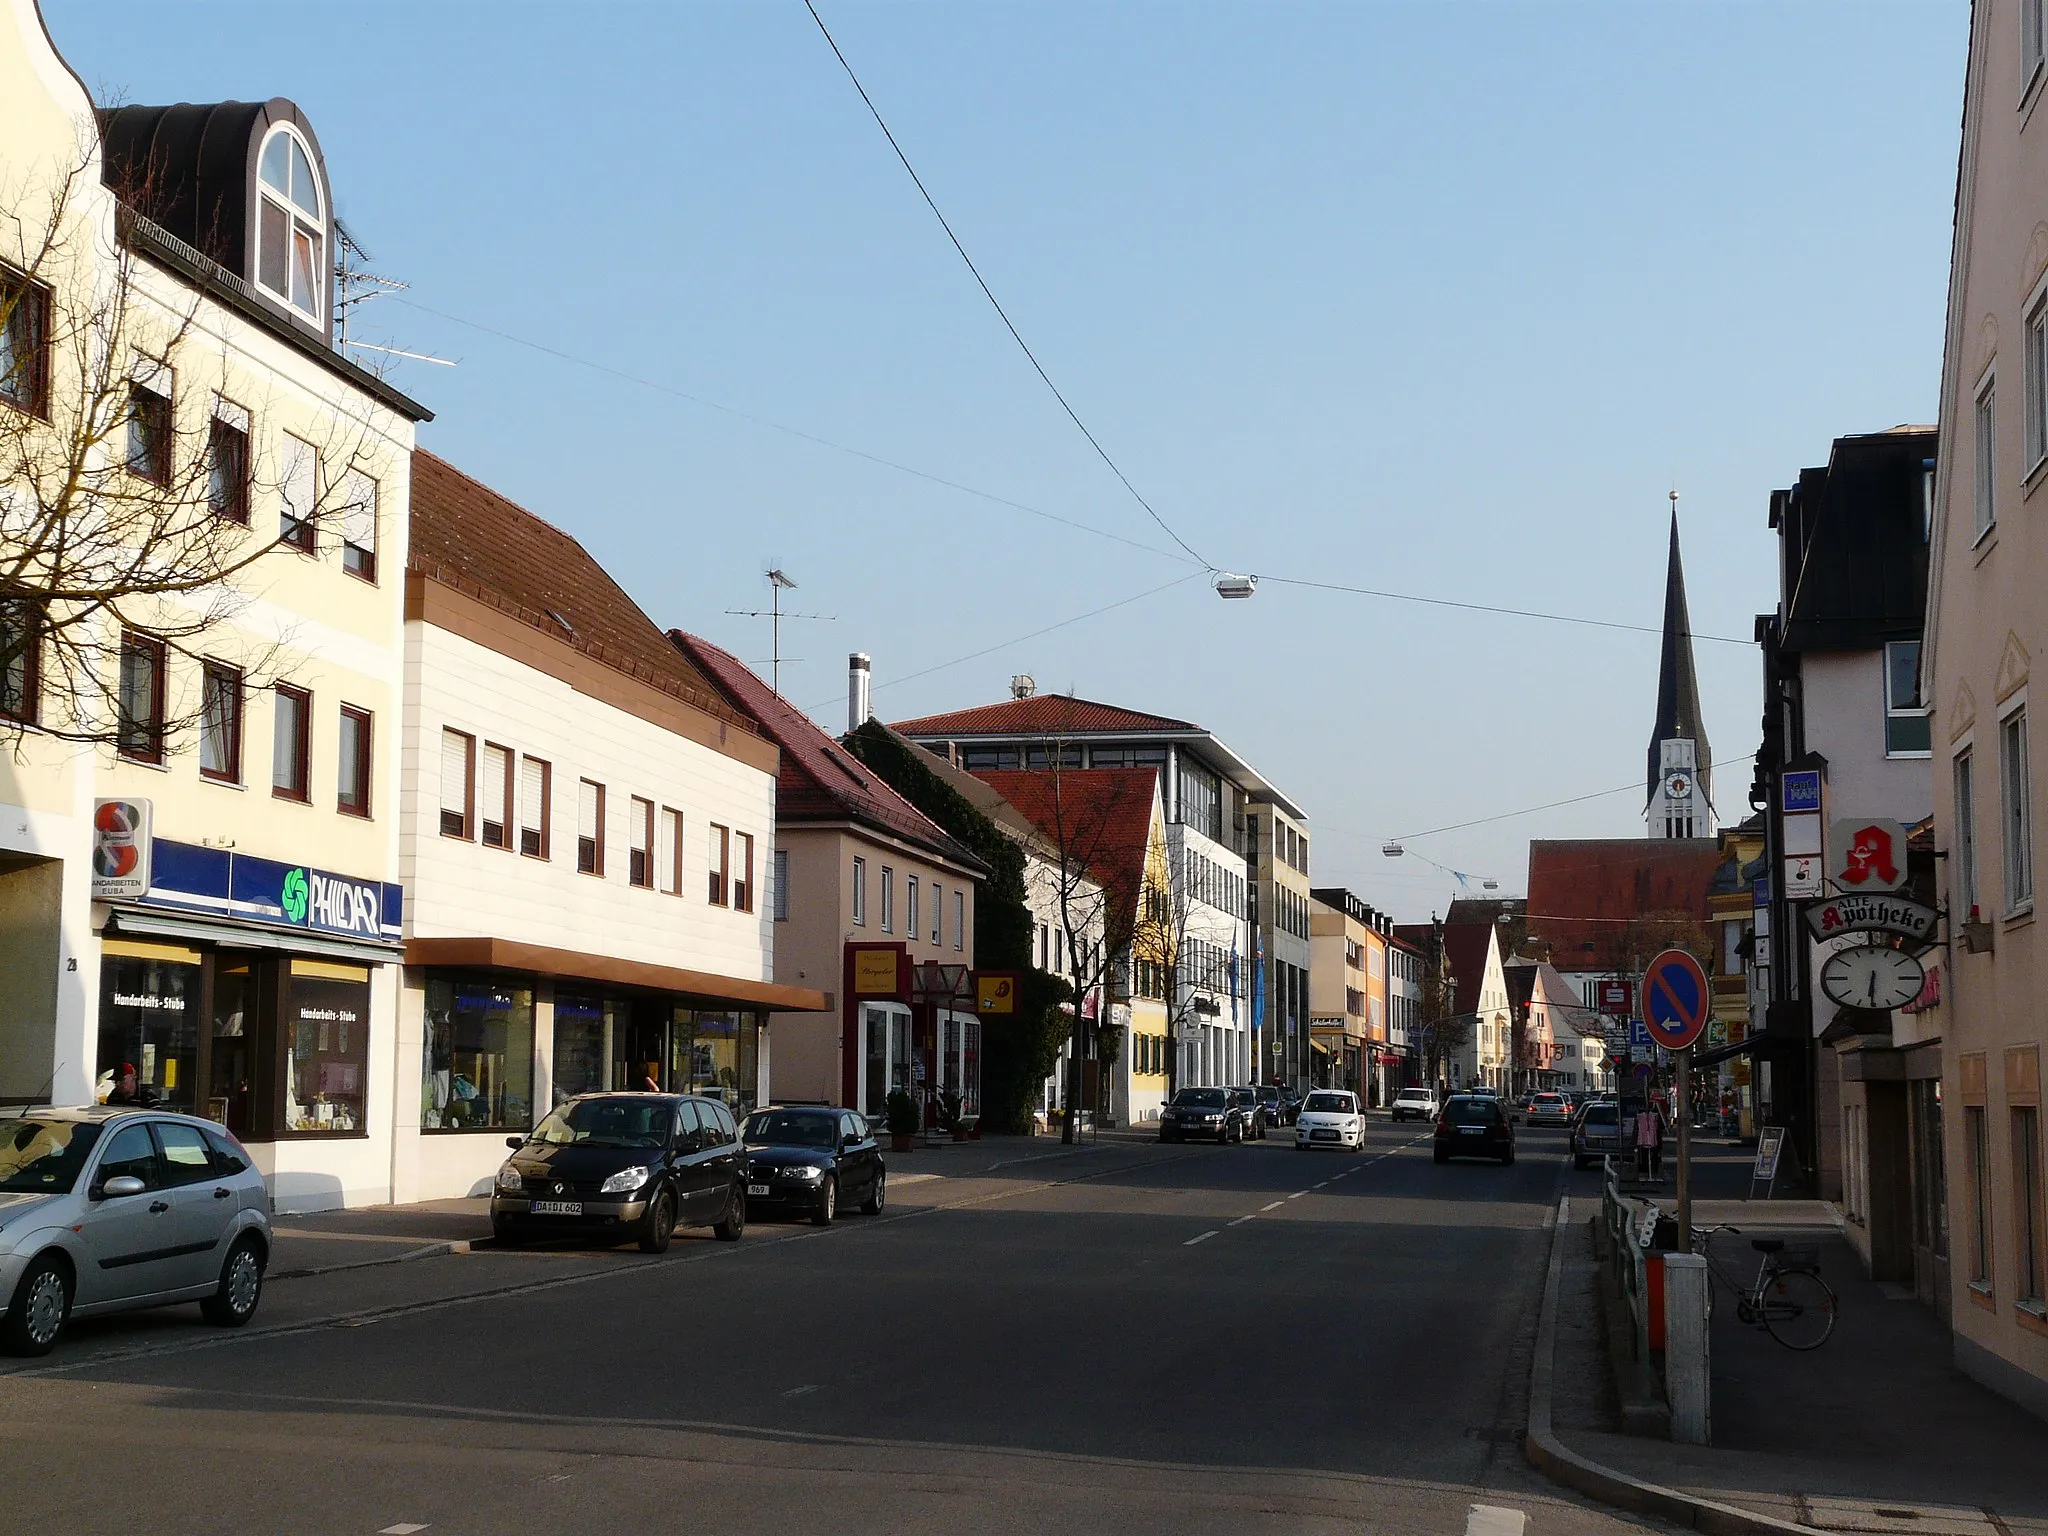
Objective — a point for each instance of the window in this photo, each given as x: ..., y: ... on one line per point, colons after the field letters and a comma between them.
x: 1986, y: 465
x: 2028, y: 1237
x: 291, y: 742
x: 477, y: 1056
x: 1906, y: 732
x: 24, y: 344
x: 640, y: 844
x: 298, y: 493
x: 220, y: 722
x: 494, y: 798
x: 227, y: 465
x: 743, y: 881
x: 149, y: 434
x: 1977, y: 1148
x: 291, y: 229
x: 186, y: 1158
x: 352, y: 780
x: 889, y: 900
x: 860, y: 890
x: 327, y: 1045
x: 535, y: 780
x: 21, y: 661
x: 2037, y: 380
x: 1965, y: 867
x: 458, y: 776
x: 937, y: 908
x: 959, y: 919
x: 781, y: 891
x: 139, y: 724
x: 590, y: 828
x: 2018, y: 818
x: 672, y: 851
x: 910, y: 906
x: 720, y: 867
x: 359, y: 525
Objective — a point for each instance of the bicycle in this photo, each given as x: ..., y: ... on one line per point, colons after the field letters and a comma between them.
x: 1788, y: 1298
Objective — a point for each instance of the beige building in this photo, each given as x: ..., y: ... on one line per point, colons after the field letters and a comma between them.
x: 1340, y: 1022
x: 1987, y: 620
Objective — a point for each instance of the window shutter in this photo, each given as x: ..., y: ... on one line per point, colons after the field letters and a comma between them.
x: 359, y: 510
x: 492, y: 797
x: 454, y: 772
x: 780, y: 895
x: 586, y: 810
x: 532, y: 791
x: 301, y: 479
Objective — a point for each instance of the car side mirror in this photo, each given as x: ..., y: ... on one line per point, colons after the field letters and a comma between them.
x: 120, y: 1186
x: 515, y: 1142
x: 848, y: 1143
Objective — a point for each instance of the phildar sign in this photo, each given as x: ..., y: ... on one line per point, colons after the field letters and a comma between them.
x: 1878, y: 914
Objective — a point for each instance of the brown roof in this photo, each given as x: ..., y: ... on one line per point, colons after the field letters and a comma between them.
x: 1465, y: 957
x: 466, y: 536
x: 819, y: 780
x: 1100, y: 817
x: 1047, y: 714
x: 1582, y: 891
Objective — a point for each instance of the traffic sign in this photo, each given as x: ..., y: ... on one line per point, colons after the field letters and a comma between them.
x: 1675, y: 999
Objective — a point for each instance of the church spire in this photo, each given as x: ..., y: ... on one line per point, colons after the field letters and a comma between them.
x: 1680, y: 770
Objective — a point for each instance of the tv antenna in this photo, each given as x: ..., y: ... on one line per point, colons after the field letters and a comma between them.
x: 354, y: 285
x: 777, y: 583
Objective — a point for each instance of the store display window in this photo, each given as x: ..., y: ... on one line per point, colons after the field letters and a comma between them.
x: 586, y: 1030
x: 327, y: 1048
x: 477, y: 1067
x: 716, y: 1053
x: 150, y: 999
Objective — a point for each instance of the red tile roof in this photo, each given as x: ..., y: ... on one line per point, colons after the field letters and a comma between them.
x: 819, y: 779
x: 1465, y: 957
x: 1101, y: 817
x: 1586, y: 890
x: 466, y: 536
x: 1043, y: 714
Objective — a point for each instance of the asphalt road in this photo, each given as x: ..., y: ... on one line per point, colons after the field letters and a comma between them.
x: 1130, y: 1338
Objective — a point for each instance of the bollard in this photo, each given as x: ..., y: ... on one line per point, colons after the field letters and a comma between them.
x: 1688, y: 1378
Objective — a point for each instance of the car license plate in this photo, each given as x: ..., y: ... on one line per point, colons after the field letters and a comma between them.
x: 557, y: 1207
x: 758, y: 1189
x: 1472, y: 1130
x: 1322, y: 1135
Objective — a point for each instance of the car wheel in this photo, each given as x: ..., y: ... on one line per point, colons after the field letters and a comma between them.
x: 872, y: 1206
x: 241, y: 1287
x: 661, y: 1224
x: 729, y: 1230
x: 42, y: 1305
x: 828, y: 1203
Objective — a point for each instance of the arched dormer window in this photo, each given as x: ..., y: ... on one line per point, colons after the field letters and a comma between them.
x: 291, y: 226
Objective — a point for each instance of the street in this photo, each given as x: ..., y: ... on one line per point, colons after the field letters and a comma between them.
x: 1127, y: 1337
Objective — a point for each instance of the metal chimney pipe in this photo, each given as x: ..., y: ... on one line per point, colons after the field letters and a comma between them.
x: 857, y: 710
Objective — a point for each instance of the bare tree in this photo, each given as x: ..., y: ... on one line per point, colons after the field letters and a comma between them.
x: 125, y: 488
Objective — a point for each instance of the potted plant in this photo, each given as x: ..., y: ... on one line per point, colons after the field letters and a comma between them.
x: 950, y: 1119
x: 903, y: 1121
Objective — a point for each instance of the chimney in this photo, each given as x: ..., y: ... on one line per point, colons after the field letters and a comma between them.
x: 857, y: 710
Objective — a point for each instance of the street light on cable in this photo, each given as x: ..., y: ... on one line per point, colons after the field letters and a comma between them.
x: 1229, y: 585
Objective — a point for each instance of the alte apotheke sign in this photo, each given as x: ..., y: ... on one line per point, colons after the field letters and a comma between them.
x: 1870, y: 914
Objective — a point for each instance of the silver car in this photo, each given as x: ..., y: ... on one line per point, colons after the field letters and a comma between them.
x: 113, y: 1207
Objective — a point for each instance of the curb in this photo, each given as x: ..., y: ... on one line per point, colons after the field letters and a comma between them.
x: 427, y: 1251
x: 1562, y: 1465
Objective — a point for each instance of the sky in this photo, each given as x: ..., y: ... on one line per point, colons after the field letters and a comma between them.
x: 1440, y: 298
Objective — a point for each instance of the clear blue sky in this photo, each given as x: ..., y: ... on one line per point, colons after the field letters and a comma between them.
x: 1435, y: 297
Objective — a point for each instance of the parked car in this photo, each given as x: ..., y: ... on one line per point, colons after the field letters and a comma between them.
x: 1203, y: 1112
x: 1597, y: 1134
x: 112, y: 1207
x: 1281, y: 1106
x: 613, y: 1166
x: 1253, y: 1108
x: 1549, y: 1109
x: 1415, y: 1104
x: 1330, y: 1117
x: 1474, y: 1125
x: 807, y: 1162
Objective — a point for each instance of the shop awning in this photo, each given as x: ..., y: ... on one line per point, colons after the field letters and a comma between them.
x: 1764, y: 1044
x: 541, y: 960
x: 295, y: 941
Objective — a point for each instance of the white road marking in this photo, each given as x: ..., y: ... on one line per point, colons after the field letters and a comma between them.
x: 1297, y: 1194
x: 400, y: 1530
x: 1273, y: 1207
x: 1493, y: 1520
x: 1242, y: 1220
x: 1324, y: 1185
x: 1194, y: 1240
x: 800, y: 1391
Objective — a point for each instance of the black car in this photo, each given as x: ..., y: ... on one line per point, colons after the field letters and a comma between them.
x: 808, y: 1162
x: 613, y: 1166
x: 1253, y: 1108
x: 1474, y: 1125
x: 1203, y: 1112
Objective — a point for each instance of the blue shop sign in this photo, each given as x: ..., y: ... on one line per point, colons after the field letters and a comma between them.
x: 221, y: 883
x: 1802, y: 790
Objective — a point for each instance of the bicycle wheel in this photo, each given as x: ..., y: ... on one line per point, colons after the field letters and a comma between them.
x: 1799, y: 1309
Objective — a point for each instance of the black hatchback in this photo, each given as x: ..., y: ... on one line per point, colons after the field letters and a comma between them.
x: 1474, y: 1125
x: 809, y: 1162
x: 613, y: 1166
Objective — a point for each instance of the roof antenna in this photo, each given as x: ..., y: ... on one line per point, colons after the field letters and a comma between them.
x: 353, y: 285
x: 777, y: 583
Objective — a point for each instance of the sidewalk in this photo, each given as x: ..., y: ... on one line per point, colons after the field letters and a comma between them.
x: 1874, y: 1431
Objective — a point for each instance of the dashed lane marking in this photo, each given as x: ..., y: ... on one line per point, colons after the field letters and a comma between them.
x: 1297, y: 1194
x: 1273, y: 1207
x: 1194, y: 1240
x: 801, y: 1391
x: 1242, y: 1220
x: 401, y: 1529
x: 1493, y: 1520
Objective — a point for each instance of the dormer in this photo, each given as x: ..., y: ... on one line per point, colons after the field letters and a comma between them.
x: 245, y: 185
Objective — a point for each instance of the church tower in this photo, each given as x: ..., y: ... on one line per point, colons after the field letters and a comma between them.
x: 1680, y: 777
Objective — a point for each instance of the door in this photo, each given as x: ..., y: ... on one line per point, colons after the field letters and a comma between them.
x: 723, y: 1155
x: 859, y: 1160
x: 693, y: 1164
x: 203, y: 1206
x: 127, y: 1239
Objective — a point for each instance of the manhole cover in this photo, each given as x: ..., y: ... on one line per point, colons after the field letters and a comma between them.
x: 1893, y: 1519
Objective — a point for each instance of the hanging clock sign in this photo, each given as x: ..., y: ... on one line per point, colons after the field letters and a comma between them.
x: 1872, y: 976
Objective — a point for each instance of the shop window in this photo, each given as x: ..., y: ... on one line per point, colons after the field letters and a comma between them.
x: 220, y: 722
x: 743, y: 874
x: 586, y: 1029
x: 139, y: 724
x: 291, y: 743
x: 227, y: 469
x: 721, y: 864
x: 590, y: 828
x: 640, y: 844
x: 327, y: 1048
x: 535, y: 784
x: 458, y: 780
x: 478, y: 1056
x: 717, y: 1053
x: 298, y: 493
x: 352, y: 772
x: 149, y: 1024
x: 494, y: 798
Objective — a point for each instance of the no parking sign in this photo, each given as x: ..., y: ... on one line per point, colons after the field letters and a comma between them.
x: 1675, y: 999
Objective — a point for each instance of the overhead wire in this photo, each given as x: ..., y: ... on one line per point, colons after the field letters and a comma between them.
x: 1519, y: 613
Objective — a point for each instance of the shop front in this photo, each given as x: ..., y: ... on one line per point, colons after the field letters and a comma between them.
x: 257, y: 994
x: 914, y: 1030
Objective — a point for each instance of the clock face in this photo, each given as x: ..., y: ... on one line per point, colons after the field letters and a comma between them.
x: 1678, y: 786
x: 1872, y: 976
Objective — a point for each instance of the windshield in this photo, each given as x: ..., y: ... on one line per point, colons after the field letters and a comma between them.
x: 1602, y: 1114
x: 608, y: 1123
x: 784, y: 1128
x: 1413, y: 1093
x: 1199, y: 1098
x: 1328, y: 1104
x: 1549, y: 1098
x: 43, y: 1157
